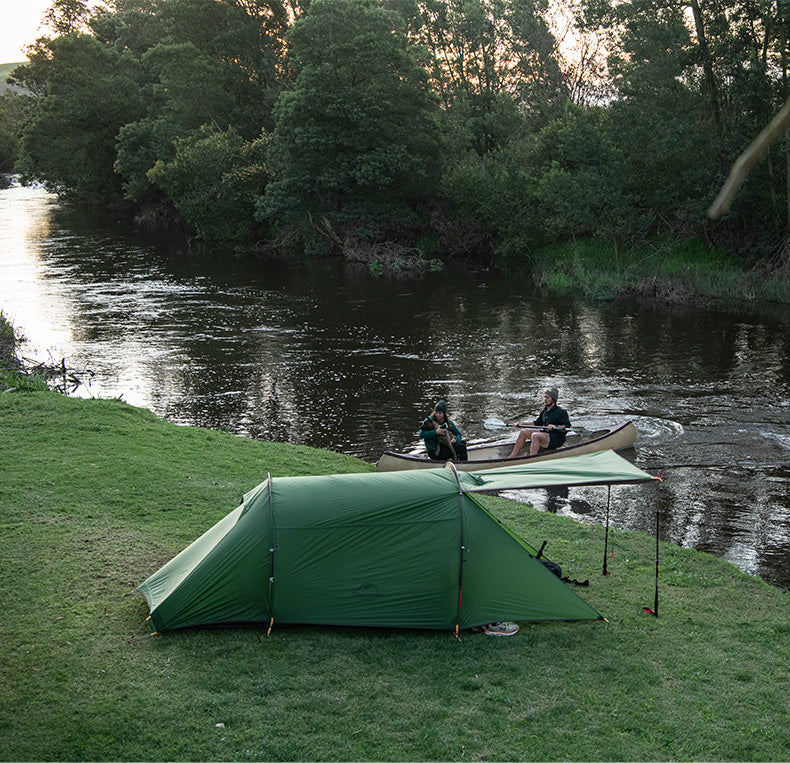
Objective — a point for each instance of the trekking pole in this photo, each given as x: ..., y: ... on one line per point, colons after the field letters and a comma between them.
x: 606, y: 534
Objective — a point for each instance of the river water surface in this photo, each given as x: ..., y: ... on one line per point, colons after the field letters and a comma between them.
x: 328, y: 356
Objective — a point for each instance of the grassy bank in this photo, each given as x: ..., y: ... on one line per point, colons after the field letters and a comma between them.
x: 13, y: 375
x: 668, y: 273
x: 95, y: 495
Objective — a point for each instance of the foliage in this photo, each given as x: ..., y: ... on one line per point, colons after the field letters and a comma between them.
x: 66, y: 16
x: 8, y: 342
x: 467, y: 123
x: 693, y: 90
x: 98, y: 494
x: 355, y: 141
x: 205, y: 64
x: 13, y: 376
x: 480, y: 50
x: 491, y: 204
x: 139, y: 146
x: 213, y: 181
x: 15, y: 110
x: 580, y: 189
x: 85, y: 92
x: 187, y: 90
x: 19, y: 381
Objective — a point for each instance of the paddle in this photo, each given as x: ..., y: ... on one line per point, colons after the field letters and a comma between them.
x: 499, y: 424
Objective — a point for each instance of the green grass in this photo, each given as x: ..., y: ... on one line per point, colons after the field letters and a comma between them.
x: 6, y: 69
x: 675, y: 272
x: 95, y: 495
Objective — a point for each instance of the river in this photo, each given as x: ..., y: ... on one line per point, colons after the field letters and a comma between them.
x: 328, y: 356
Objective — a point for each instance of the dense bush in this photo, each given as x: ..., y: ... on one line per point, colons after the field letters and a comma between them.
x: 458, y: 127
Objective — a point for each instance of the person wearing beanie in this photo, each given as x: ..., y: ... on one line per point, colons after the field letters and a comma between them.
x: 554, y: 422
x: 443, y: 439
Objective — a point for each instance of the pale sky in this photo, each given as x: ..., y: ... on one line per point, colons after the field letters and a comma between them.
x: 20, y: 24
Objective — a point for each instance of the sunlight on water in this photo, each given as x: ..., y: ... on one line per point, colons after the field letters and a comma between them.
x: 24, y: 297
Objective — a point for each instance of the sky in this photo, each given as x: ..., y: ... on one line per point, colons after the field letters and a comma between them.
x: 20, y: 24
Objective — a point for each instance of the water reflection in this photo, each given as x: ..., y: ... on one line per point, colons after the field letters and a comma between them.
x: 326, y: 356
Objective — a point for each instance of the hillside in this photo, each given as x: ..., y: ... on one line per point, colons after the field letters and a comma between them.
x: 5, y: 71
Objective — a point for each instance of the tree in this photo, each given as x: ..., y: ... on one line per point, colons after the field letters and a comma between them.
x: 695, y: 81
x: 355, y: 141
x: 213, y: 63
x: 213, y: 181
x: 15, y: 110
x: 580, y: 189
x: 480, y: 51
x: 658, y: 119
x: 86, y: 92
x: 66, y: 16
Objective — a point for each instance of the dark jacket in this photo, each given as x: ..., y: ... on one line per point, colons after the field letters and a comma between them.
x: 557, y: 416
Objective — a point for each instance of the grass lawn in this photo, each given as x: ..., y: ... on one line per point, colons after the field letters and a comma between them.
x: 96, y: 495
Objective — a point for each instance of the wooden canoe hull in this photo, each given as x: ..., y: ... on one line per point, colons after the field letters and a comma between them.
x: 494, y: 456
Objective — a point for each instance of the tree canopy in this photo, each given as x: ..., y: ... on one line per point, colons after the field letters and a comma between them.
x: 356, y: 137
x: 474, y: 128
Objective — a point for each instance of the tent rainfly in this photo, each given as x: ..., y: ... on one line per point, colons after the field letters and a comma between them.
x: 409, y: 549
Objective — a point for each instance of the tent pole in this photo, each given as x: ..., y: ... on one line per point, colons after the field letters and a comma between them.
x: 654, y: 611
x: 271, y: 554
x: 460, y: 573
x: 655, y: 604
x: 606, y: 534
x: 658, y: 517
x: 461, y: 550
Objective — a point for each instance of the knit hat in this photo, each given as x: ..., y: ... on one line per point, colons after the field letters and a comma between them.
x: 441, y: 407
x: 554, y: 392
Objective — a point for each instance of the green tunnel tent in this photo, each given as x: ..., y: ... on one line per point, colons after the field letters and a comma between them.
x: 410, y: 549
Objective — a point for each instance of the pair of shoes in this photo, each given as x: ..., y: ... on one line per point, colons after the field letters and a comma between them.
x: 501, y: 629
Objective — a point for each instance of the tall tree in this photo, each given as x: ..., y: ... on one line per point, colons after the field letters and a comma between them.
x: 696, y: 80
x: 218, y: 63
x: 86, y: 92
x: 355, y: 141
x: 482, y: 49
x: 66, y: 16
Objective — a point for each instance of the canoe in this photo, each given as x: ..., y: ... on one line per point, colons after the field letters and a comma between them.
x: 495, y: 455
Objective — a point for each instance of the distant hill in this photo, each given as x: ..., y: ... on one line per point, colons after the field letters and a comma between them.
x: 5, y: 70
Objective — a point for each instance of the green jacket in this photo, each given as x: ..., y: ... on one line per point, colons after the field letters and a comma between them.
x: 428, y: 433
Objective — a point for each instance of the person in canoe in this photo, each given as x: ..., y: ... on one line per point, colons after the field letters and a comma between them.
x: 555, y: 421
x: 443, y: 439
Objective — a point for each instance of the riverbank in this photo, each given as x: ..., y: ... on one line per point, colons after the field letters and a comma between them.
x: 96, y: 494
x: 663, y: 273
x: 13, y: 374
x: 667, y: 272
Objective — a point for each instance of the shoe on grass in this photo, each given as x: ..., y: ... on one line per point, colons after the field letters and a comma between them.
x: 501, y: 628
